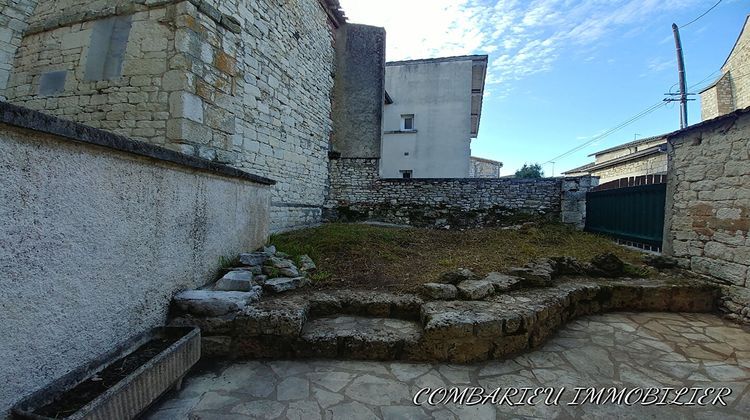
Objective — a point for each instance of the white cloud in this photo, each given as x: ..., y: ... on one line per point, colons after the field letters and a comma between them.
x: 523, y: 37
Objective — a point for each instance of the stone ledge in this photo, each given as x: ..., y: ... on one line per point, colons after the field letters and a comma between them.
x: 25, y: 118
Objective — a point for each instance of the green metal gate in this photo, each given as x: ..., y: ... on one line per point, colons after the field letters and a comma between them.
x: 633, y: 214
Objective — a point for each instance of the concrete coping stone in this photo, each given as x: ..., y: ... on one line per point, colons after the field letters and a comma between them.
x: 25, y: 118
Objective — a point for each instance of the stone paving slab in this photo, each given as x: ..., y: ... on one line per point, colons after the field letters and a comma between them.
x: 633, y: 350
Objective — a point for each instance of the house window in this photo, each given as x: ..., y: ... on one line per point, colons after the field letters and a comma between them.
x: 407, y: 122
x: 406, y: 174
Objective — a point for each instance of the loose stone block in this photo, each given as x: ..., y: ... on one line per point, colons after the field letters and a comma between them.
x: 503, y: 282
x: 440, y: 291
x: 213, y: 303
x: 239, y: 280
x: 475, y: 289
x: 283, y: 284
x: 254, y: 258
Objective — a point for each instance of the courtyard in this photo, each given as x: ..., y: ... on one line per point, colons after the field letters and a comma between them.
x: 622, y: 350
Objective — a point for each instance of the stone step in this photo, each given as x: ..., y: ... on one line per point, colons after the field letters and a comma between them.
x: 357, y: 337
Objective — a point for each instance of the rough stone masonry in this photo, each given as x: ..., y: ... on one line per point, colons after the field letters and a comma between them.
x: 358, y: 193
x: 708, y: 204
x: 246, y: 83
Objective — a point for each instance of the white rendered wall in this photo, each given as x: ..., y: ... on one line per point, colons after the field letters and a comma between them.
x: 94, y: 243
x: 439, y: 96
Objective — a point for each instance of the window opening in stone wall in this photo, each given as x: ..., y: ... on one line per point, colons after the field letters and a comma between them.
x: 109, y: 39
x: 406, y: 174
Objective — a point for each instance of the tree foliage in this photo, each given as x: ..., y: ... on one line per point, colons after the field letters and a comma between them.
x: 530, y: 171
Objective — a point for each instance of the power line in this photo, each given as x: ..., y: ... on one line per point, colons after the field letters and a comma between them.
x: 612, y: 130
x: 704, y: 14
x: 632, y: 119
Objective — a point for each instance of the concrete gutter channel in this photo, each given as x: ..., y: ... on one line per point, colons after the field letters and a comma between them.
x: 382, y: 326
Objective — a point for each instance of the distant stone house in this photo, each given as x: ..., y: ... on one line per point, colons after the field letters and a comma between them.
x: 433, y: 108
x: 641, y: 157
x: 731, y: 91
x: 484, y: 168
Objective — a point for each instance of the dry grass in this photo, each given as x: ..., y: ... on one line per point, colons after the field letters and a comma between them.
x: 374, y: 257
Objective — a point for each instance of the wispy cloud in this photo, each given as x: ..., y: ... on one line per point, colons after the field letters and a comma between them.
x: 523, y: 37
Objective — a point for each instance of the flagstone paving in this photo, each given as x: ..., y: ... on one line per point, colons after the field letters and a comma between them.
x: 613, y: 350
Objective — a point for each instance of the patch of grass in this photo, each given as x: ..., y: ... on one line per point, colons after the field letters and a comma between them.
x: 320, y: 276
x: 229, y: 262
x: 637, y: 271
x: 376, y: 257
x: 226, y: 263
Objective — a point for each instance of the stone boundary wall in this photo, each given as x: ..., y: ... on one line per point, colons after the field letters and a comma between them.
x: 98, y: 233
x: 708, y: 204
x: 358, y: 193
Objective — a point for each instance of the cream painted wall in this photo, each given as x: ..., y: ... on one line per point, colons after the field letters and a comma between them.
x: 439, y: 96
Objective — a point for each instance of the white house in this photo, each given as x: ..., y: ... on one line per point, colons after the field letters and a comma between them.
x: 432, y: 112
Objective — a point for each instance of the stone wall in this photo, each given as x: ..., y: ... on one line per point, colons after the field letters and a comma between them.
x: 52, y: 69
x: 655, y: 164
x: 14, y: 16
x: 484, y: 168
x: 357, y: 193
x: 718, y: 99
x: 359, y: 91
x: 708, y: 201
x: 248, y: 84
x: 98, y: 233
x: 732, y: 90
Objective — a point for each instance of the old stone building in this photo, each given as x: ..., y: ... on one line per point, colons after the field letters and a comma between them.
x: 731, y: 91
x: 244, y: 83
x: 14, y: 17
x: 484, y: 168
x: 641, y: 157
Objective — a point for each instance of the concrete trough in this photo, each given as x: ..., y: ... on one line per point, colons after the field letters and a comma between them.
x: 131, y: 395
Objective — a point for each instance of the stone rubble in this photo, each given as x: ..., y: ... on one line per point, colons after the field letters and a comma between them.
x: 306, y: 263
x: 659, y: 261
x: 284, y: 284
x: 503, y: 282
x: 237, y: 280
x: 457, y: 276
x: 264, y: 270
x: 605, y: 265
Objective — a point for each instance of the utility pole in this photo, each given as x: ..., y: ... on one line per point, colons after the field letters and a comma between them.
x: 683, y: 83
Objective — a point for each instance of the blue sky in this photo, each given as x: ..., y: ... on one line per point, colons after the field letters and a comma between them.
x: 563, y: 71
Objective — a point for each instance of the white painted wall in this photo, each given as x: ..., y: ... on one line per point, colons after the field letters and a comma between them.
x: 94, y: 243
x: 439, y: 96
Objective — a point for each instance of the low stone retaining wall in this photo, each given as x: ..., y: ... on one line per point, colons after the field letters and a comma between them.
x: 357, y: 193
x: 405, y: 327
